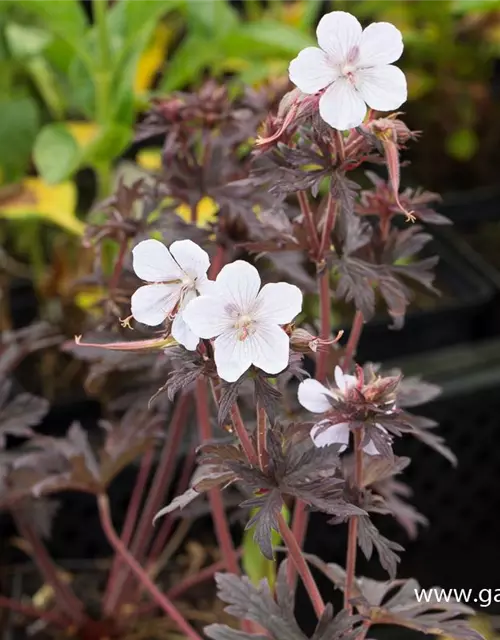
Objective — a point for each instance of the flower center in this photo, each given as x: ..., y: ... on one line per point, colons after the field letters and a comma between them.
x: 348, y: 69
x: 245, y: 327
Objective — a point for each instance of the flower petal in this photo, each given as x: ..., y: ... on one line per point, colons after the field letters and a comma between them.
x: 341, y: 106
x: 339, y: 35
x: 344, y: 381
x: 381, y: 43
x: 313, y: 396
x: 238, y: 284
x: 152, y: 303
x: 192, y: 259
x: 232, y: 356
x: 183, y: 334
x: 278, y: 302
x: 336, y: 434
x: 269, y: 347
x: 311, y: 70
x: 382, y: 88
x: 206, y: 316
x: 152, y: 262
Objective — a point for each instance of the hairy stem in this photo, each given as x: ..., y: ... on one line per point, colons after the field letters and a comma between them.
x: 329, y: 225
x: 301, y: 565
x: 130, y: 518
x: 33, y: 612
x: 242, y: 433
x: 163, y: 602
x: 352, y: 536
x: 215, y: 495
x: 325, y: 329
x: 310, y: 223
x: 352, y: 343
x: 161, y: 482
x: 262, y: 437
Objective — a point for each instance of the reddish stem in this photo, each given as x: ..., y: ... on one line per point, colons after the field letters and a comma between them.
x: 215, y: 495
x: 352, y: 343
x: 242, y: 433
x: 33, y: 612
x: 299, y: 529
x: 325, y: 329
x: 301, y: 565
x: 217, y: 262
x: 262, y: 437
x: 161, y: 482
x: 165, y: 604
x: 168, y: 522
x: 130, y: 518
x: 352, y: 536
x: 64, y: 594
x: 310, y: 223
x: 330, y: 219
x: 115, y: 277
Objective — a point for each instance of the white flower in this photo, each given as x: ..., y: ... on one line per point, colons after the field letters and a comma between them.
x: 244, y: 322
x: 176, y: 276
x: 353, y: 66
x: 315, y: 397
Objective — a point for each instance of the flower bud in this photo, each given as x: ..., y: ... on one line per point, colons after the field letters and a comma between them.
x: 304, y: 342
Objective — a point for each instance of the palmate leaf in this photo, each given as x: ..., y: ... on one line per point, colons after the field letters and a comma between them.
x: 395, y: 603
x: 257, y: 604
x: 20, y: 413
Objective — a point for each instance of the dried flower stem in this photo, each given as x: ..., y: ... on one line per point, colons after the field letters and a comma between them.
x: 214, y: 495
x: 352, y: 343
x: 131, y: 517
x: 73, y: 607
x: 161, y: 482
x: 352, y: 536
x: 166, y: 605
x: 301, y: 565
x: 33, y: 612
x: 310, y: 223
x: 262, y: 437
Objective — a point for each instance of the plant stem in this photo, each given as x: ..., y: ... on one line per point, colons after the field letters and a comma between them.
x: 32, y: 612
x: 310, y: 223
x: 159, y: 487
x: 352, y: 343
x: 352, y: 536
x: 299, y: 530
x: 301, y: 565
x: 325, y: 329
x: 131, y: 517
x: 242, y: 433
x: 262, y: 437
x: 215, y: 495
x: 118, y: 268
x: 329, y: 225
x: 217, y: 262
x: 166, y: 605
x: 63, y: 592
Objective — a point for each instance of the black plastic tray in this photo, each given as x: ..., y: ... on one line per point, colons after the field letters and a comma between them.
x: 468, y: 315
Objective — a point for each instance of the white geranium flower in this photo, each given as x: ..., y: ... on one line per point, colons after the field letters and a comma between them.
x: 245, y: 322
x: 315, y: 397
x: 176, y: 276
x: 353, y: 66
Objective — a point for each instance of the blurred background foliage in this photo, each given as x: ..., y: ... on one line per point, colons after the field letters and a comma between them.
x: 75, y: 77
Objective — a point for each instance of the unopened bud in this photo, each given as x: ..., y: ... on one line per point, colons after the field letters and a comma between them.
x: 304, y: 342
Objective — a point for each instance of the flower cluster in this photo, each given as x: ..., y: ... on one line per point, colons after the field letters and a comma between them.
x: 245, y: 320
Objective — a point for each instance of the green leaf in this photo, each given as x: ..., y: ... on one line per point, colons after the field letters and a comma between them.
x: 64, y: 17
x: 108, y: 145
x: 462, y: 144
x: 26, y: 41
x: 190, y: 59
x: 19, y: 124
x: 56, y: 153
x: 265, y: 38
x: 211, y: 18
x: 255, y: 565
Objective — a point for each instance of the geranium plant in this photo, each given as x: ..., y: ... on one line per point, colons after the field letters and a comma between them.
x: 226, y: 296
